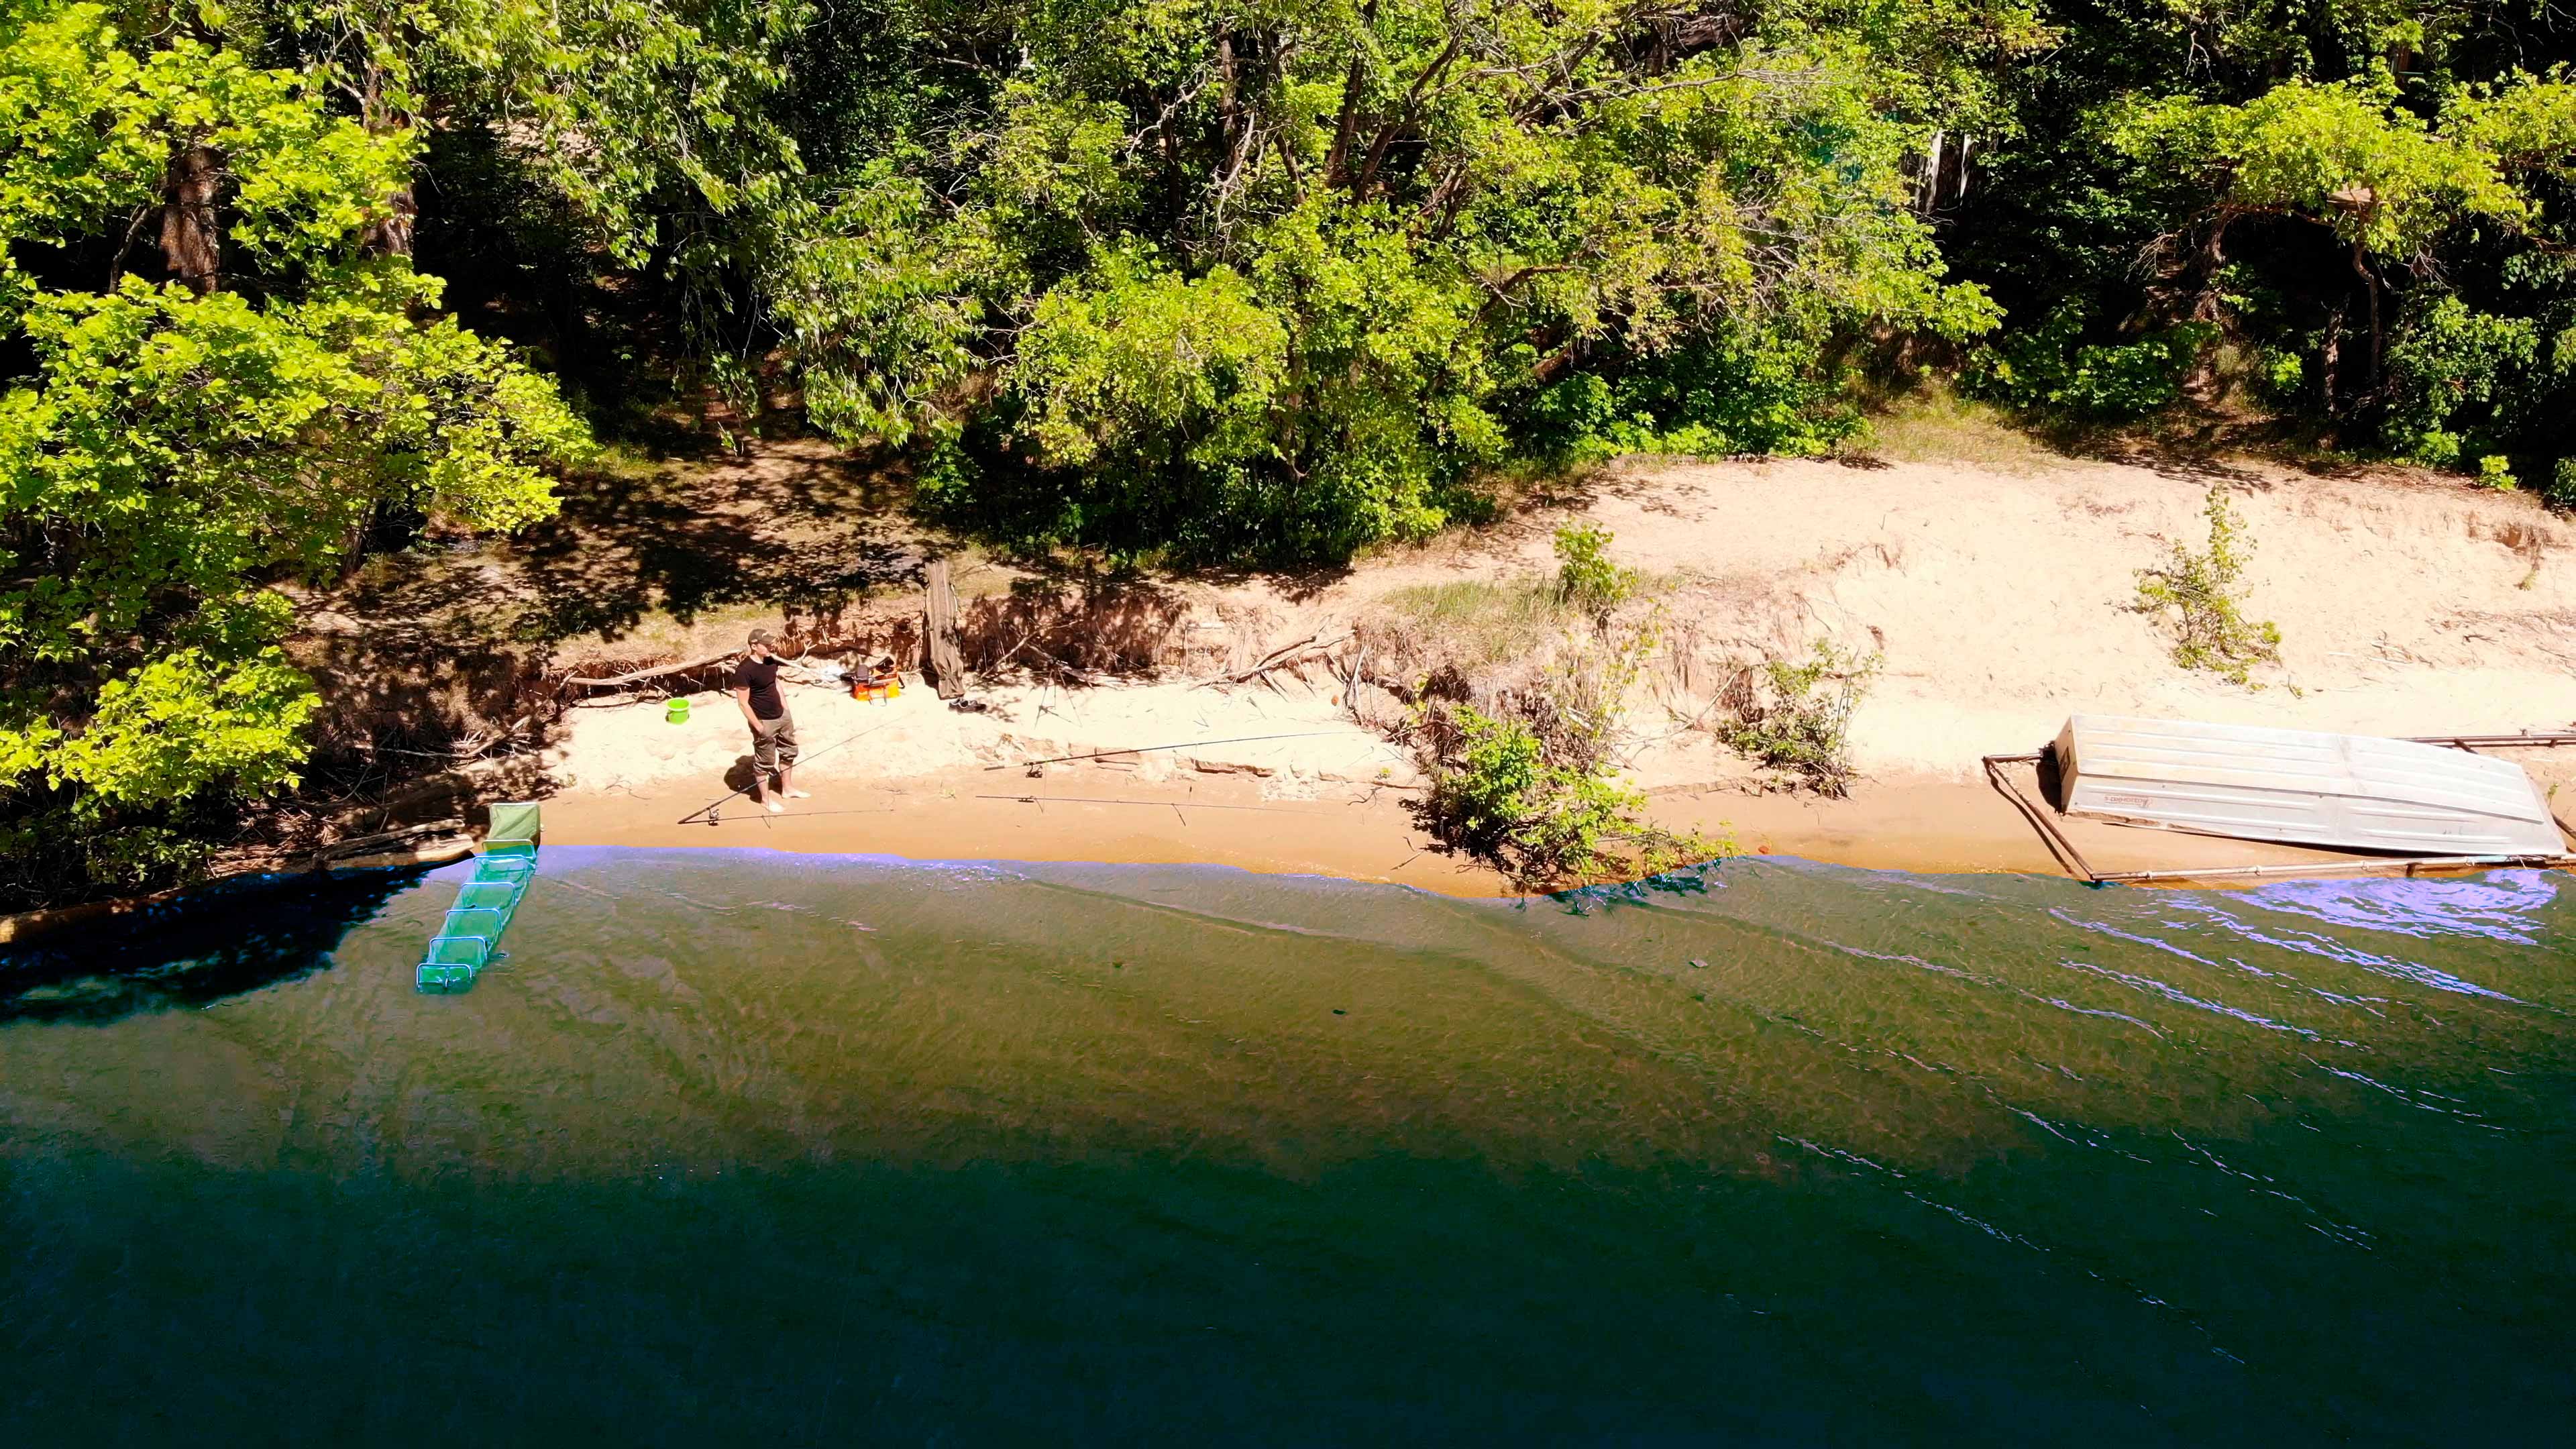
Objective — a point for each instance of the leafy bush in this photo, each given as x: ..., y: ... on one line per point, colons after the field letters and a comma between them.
x: 2280, y: 376
x: 1501, y: 798
x: 1527, y: 783
x: 2048, y: 369
x: 2205, y: 594
x: 1804, y: 726
x: 1585, y: 577
x: 2449, y: 370
x: 1725, y: 393
x: 1498, y: 796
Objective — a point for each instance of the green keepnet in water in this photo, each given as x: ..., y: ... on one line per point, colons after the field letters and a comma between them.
x: 518, y: 820
x: 746, y: 1147
x: 470, y: 938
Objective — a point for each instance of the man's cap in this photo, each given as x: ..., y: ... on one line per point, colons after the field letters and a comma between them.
x: 758, y: 636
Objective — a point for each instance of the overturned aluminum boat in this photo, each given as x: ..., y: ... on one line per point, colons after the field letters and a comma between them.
x: 2341, y: 792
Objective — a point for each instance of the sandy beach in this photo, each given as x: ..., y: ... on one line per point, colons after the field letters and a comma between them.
x: 2000, y: 603
x: 1070, y: 815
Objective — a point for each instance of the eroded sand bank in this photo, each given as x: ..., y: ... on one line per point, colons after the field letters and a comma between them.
x: 2000, y: 603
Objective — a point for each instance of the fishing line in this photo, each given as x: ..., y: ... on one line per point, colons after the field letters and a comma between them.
x: 782, y: 815
x: 1112, y: 800
x: 708, y: 810
x: 1149, y: 749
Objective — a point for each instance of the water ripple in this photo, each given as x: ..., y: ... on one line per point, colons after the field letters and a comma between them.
x: 2313, y: 944
x: 2153, y: 987
x: 2499, y: 906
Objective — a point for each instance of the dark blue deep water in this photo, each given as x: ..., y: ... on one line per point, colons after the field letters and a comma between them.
x: 747, y: 1148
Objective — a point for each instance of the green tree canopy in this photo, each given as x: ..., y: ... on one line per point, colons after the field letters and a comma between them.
x: 205, y: 416
x: 1274, y: 280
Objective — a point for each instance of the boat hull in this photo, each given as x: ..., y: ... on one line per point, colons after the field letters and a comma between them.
x: 2297, y: 787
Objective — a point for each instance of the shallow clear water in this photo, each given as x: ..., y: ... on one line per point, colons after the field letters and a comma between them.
x: 793, y: 1149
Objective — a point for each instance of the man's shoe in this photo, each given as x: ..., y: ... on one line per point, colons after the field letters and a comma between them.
x: 777, y: 809
x: 796, y: 794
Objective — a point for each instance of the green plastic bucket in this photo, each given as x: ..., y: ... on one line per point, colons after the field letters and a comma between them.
x: 677, y: 711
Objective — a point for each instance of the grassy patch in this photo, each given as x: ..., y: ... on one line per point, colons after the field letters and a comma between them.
x: 1478, y: 623
x: 1934, y: 425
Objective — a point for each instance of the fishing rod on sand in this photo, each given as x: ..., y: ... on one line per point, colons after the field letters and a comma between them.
x: 1150, y: 749
x: 708, y: 813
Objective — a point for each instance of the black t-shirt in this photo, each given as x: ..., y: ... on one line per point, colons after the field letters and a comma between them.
x: 761, y: 675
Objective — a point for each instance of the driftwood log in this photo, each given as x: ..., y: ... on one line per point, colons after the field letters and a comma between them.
x: 453, y: 825
x: 943, y: 658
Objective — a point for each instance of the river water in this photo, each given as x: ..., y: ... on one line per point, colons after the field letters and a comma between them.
x: 742, y: 1147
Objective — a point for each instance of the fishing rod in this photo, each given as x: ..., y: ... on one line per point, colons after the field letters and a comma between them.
x: 1112, y: 800
x: 1149, y: 749
x: 813, y: 814
x: 708, y: 811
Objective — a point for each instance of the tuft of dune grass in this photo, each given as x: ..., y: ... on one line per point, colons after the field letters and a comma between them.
x: 1935, y: 425
x: 1480, y: 623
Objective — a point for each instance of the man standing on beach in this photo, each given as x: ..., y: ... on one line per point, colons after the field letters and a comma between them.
x: 773, y: 729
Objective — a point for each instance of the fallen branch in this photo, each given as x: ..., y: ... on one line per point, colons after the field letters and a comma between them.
x: 472, y: 747
x: 454, y: 825
x: 1263, y: 672
x: 1046, y: 661
x: 1404, y: 692
x: 1300, y: 652
x: 1150, y: 749
x: 656, y: 672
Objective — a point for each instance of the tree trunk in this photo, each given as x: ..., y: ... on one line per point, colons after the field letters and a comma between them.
x: 2378, y: 337
x: 191, y: 242
x: 1345, y: 126
x: 1228, y: 94
x: 2330, y: 373
x: 388, y: 235
x: 942, y: 659
x: 2205, y: 304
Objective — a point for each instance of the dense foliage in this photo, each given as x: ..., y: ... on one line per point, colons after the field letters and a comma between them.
x: 1276, y: 281
x: 191, y: 422
x: 1223, y: 280
x: 2351, y: 215
x: 1246, y: 280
